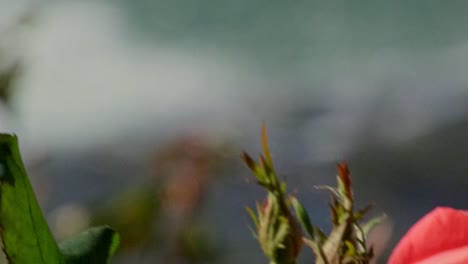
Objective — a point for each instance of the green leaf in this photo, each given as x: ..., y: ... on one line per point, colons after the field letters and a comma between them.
x: 303, y: 217
x: 25, y: 234
x: 252, y: 215
x: 24, y: 231
x: 351, y: 251
x: 266, y: 150
x: 332, y: 190
x: 95, y: 245
x: 281, y: 232
x: 369, y: 225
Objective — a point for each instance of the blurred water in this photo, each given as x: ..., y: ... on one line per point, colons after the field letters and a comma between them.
x: 155, y: 61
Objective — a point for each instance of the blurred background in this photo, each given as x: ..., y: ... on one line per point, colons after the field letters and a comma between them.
x: 134, y: 113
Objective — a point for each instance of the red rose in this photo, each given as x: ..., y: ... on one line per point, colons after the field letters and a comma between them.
x: 440, y: 237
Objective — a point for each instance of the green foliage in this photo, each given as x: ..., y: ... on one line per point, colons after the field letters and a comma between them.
x: 277, y: 231
x: 276, y: 228
x: 347, y: 241
x: 95, y: 245
x: 25, y: 234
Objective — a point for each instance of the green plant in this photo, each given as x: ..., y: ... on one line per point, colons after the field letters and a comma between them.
x: 278, y: 231
x: 25, y: 234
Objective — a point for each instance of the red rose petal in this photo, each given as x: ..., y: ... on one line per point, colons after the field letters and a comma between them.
x: 454, y: 256
x: 441, y: 236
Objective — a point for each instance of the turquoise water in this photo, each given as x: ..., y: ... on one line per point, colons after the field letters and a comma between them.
x: 285, y: 34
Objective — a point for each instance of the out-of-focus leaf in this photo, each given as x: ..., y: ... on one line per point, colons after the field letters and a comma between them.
x: 7, y: 79
x: 303, y: 217
x: 266, y: 150
x: 25, y: 234
x: 369, y: 225
x: 351, y: 248
x: 95, y: 245
x: 253, y: 216
x: 249, y: 162
x: 332, y: 190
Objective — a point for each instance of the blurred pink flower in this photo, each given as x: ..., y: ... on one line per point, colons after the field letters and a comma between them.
x: 440, y: 237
